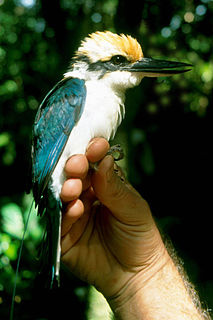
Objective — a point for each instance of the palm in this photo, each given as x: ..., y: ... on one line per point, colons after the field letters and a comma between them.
x: 101, y: 247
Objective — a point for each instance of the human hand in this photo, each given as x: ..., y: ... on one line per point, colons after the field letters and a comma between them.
x: 114, y: 243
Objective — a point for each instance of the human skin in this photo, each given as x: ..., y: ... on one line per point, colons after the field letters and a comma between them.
x: 110, y: 240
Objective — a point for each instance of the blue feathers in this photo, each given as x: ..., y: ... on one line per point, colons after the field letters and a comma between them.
x: 56, y: 117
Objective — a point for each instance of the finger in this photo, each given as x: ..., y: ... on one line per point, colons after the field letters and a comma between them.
x: 75, y: 220
x: 74, y: 211
x: 97, y: 149
x: 86, y: 182
x: 118, y: 195
x: 71, y: 190
x: 77, y: 166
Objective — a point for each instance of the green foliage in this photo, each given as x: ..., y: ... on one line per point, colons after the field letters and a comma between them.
x: 13, y: 219
x: 166, y: 132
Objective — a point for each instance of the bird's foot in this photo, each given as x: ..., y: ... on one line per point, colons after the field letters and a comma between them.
x: 115, y: 151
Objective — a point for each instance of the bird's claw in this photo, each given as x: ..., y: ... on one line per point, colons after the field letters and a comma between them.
x: 116, y: 152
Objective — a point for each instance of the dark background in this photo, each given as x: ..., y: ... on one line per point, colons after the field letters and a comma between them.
x: 167, y: 132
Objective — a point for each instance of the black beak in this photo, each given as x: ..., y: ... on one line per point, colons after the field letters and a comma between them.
x: 159, y: 68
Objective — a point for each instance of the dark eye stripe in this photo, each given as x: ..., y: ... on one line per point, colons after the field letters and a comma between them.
x: 116, y: 62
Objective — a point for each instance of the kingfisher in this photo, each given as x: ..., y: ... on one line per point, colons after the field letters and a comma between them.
x: 87, y: 103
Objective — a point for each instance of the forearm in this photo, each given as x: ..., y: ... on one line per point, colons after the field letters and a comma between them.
x: 163, y: 297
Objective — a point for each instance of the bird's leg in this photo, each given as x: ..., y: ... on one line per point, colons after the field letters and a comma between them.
x: 115, y: 151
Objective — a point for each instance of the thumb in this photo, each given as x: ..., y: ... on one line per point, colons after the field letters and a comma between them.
x: 124, y: 202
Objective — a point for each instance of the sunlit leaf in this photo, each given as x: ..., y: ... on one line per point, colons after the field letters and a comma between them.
x: 4, y: 139
x: 9, y: 86
x: 98, y: 307
x: 11, y: 252
x: 12, y: 220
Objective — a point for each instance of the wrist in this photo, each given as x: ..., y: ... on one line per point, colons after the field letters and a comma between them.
x: 128, y: 303
x: 160, y: 296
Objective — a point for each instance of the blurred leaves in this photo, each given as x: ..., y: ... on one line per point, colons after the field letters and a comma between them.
x: 166, y: 133
x: 12, y: 220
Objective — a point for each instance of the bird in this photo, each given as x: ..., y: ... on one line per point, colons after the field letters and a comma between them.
x: 88, y: 102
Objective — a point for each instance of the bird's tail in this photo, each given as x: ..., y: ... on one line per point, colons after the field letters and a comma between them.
x: 51, y: 247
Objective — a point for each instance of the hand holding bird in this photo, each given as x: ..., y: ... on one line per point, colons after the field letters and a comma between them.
x: 106, y: 223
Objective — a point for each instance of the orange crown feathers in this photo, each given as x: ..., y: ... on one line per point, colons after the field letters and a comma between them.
x: 103, y: 45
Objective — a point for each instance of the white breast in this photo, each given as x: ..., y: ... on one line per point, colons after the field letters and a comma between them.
x: 102, y: 115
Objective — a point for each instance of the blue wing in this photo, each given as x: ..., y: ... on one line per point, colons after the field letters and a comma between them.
x: 57, y: 115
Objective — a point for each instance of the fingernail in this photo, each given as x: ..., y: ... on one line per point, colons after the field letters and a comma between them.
x: 89, y: 145
x: 94, y: 140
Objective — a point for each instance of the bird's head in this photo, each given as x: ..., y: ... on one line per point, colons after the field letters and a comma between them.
x: 119, y: 60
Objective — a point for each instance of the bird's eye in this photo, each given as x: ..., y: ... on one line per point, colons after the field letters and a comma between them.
x: 118, y: 59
